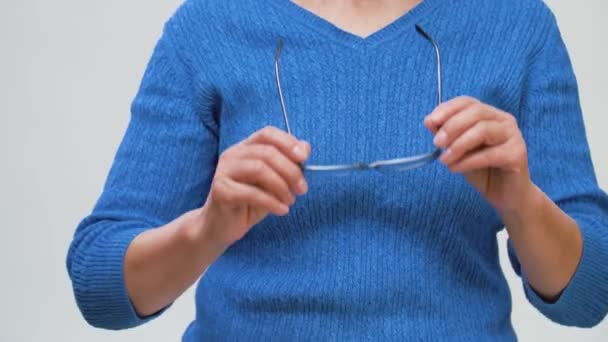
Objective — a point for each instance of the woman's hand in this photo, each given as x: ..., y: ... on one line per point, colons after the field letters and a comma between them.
x: 485, y: 144
x: 253, y: 178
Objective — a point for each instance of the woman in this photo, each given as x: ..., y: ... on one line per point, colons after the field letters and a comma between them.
x: 298, y: 241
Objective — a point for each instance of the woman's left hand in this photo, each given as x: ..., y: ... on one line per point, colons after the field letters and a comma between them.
x: 485, y: 145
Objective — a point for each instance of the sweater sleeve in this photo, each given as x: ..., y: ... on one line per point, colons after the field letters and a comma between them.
x: 560, y: 164
x: 162, y: 168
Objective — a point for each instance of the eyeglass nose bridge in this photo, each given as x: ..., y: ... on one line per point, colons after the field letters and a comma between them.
x: 363, y: 166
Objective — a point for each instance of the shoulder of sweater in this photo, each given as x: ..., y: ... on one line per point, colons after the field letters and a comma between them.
x: 209, y: 15
x: 199, y: 31
x: 536, y: 21
x: 527, y: 22
x: 204, y: 25
x: 530, y: 11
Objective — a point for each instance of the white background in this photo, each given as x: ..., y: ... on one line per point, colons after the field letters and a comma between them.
x: 68, y: 72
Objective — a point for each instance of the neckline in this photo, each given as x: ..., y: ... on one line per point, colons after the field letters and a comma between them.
x: 328, y: 29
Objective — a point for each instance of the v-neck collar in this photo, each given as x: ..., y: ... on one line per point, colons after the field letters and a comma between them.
x: 337, y: 34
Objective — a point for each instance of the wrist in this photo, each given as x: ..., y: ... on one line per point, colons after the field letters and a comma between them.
x: 524, y: 199
x: 198, y: 231
x: 527, y: 209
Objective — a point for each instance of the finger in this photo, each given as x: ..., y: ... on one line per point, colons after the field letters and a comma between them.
x: 257, y: 172
x: 481, y: 134
x: 462, y: 121
x: 441, y: 113
x: 498, y: 156
x: 296, y: 150
x: 286, y: 168
x: 236, y: 194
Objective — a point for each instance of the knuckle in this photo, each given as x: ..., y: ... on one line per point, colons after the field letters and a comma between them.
x: 484, y: 127
x: 258, y: 166
x: 282, y: 167
x: 255, y: 135
x: 262, y: 133
x: 271, y: 153
x: 478, y: 112
x: 456, y: 148
x: 232, y: 151
x: 219, y: 189
x: 268, y: 131
x: 442, y: 107
x: 448, y: 128
x: 283, y: 188
x: 472, y: 99
x: 224, y: 157
x: 467, y: 99
x: 478, y: 109
x: 509, y: 127
x: 275, y: 160
x: 479, y: 129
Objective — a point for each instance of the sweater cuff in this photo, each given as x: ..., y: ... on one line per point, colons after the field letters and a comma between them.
x: 100, y: 287
x: 584, y: 301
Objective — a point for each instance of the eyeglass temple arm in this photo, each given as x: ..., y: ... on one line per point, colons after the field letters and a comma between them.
x: 278, y: 81
x: 432, y: 41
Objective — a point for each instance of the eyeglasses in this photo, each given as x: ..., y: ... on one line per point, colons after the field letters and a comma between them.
x: 397, y: 164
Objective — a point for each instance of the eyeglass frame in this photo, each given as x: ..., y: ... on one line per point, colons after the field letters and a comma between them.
x: 405, y: 163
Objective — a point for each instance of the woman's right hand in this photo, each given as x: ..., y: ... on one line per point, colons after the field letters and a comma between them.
x: 253, y: 178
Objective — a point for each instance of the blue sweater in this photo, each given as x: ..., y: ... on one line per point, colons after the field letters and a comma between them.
x: 370, y: 256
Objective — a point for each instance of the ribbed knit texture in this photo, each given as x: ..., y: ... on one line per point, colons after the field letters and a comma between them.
x: 366, y: 256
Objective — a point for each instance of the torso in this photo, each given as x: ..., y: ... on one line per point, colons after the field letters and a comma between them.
x: 367, y: 255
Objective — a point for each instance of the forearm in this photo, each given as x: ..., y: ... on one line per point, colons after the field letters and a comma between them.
x: 547, y: 242
x: 160, y: 264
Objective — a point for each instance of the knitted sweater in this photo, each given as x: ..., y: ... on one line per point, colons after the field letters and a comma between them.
x: 364, y: 256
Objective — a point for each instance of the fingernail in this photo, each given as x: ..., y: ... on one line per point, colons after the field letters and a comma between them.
x: 302, y: 187
x: 299, y: 151
x: 440, y: 138
x: 426, y: 123
x: 306, y: 146
x: 445, y: 156
x: 284, y: 209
